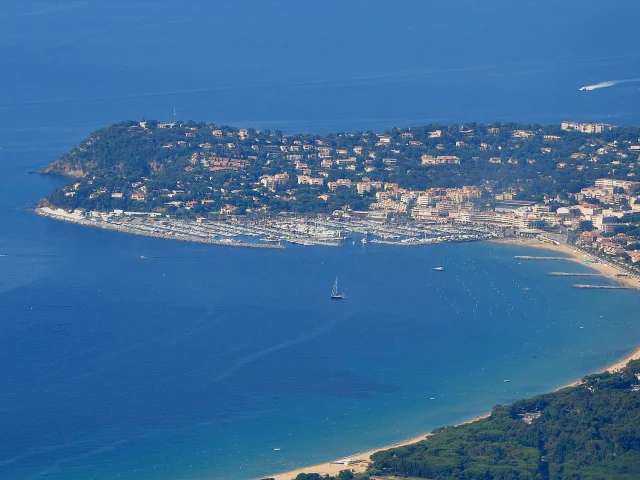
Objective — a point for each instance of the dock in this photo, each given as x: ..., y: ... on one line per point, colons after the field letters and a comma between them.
x: 602, y: 287
x: 528, y: 257
x: 573, y: 274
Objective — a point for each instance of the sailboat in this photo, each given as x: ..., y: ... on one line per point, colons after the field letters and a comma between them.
x: 334, y: 292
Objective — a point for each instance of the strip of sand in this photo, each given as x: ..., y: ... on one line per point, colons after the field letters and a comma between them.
x: 361, y: 466
x: 607, y: 270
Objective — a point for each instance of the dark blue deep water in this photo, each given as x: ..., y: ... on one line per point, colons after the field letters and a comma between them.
x: 196, y: 362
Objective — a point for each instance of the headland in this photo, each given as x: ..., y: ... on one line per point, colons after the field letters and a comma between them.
x: 406, y: 186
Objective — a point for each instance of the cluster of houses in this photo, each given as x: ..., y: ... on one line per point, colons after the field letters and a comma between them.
x: 615, y: 245
x: 358, y: 161
x: 586, y: 127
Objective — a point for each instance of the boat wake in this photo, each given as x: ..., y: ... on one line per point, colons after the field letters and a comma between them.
x: 608, y: 83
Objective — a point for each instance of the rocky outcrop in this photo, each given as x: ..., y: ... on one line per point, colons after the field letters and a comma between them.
x: 61, y: 167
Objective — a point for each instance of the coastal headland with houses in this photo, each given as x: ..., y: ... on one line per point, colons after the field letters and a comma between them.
x: 409, y: 186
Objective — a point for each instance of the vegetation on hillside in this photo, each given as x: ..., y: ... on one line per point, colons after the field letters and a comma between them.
x: 197, y: 168
x: 589, y: 431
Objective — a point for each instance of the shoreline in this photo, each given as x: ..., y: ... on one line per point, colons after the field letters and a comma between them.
x: 605, y: 270
x: 60, y: 215
x: 333, y: 469
x: 268, y: 232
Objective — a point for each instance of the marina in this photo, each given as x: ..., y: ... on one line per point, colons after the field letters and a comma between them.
x: 273, y: 231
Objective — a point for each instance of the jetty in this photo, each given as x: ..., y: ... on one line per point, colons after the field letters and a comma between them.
x: 573, y: 274
x: 529, y: 257
x: 602, y: 287
x: 176, y: 230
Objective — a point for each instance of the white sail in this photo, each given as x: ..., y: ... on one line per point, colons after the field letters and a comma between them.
x: 334, y: 291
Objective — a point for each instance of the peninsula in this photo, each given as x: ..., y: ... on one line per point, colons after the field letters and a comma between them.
x: 406, y: 186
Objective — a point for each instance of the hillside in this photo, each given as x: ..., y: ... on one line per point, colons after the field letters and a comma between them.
x: 192, y: 168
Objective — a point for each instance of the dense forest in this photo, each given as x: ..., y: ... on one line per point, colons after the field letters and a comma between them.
x: 196, y: 168
x: 589, y: 431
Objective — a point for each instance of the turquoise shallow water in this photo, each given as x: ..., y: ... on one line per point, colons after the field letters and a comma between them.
x: 197, y: 362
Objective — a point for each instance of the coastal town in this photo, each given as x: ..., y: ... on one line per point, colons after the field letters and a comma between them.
x: 413, y: 186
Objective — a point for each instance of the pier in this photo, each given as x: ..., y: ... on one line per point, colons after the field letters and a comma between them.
x: 573, y: 274
x: 602, y: 287
x: 528, y: 257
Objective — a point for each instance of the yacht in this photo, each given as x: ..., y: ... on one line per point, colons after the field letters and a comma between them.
x: 438, y: 269
x: 334, y: 292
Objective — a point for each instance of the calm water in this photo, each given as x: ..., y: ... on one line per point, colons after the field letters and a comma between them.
x: 196, y: 362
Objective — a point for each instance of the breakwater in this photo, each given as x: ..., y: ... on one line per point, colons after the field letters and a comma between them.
x: 573, y: 274
x: 136, y: 229
x: 529, y: 257
x: 601, y: 287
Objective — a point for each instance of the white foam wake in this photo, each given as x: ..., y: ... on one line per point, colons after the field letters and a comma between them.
x: 608, y: 83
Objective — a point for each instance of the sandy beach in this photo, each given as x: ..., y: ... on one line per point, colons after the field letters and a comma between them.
x: 607, y: 270
x: 334, y: 469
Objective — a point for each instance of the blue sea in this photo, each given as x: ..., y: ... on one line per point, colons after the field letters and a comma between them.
x: 196, y: 362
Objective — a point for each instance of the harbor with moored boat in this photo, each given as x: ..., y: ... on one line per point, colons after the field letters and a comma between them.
x: 273, y: 231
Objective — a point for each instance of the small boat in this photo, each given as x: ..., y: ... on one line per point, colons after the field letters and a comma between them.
x: 526, y: 289
x: 364, y: 241
x: 334, y: 292
x: 438, y: 269
x: 276, y: 449
x: 142, y: 257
